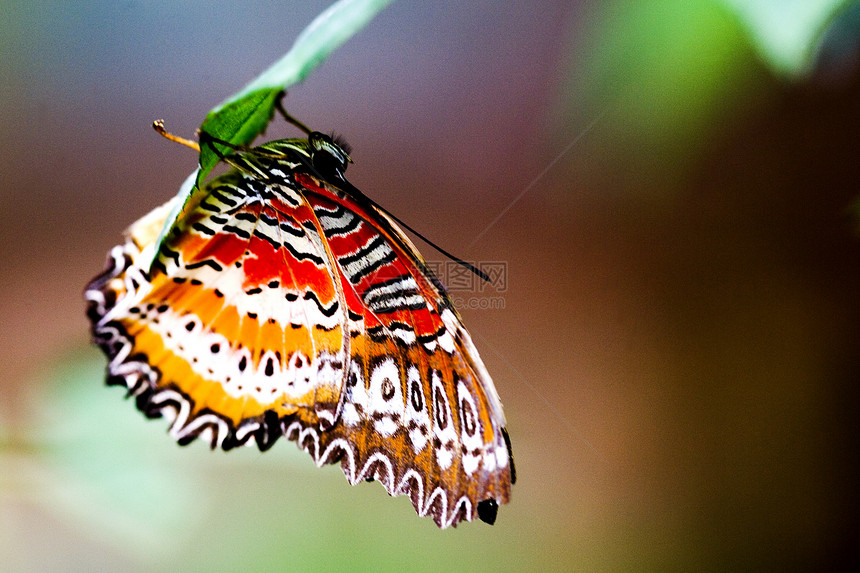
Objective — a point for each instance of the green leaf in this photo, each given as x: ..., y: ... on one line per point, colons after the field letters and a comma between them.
x: 238, y: 122
x: 658, y: 74
x: 786, y: 33
x: 246, y: 114
x: 243, y: 116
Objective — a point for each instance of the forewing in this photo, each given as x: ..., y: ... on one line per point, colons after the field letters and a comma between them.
x: 237, y: 327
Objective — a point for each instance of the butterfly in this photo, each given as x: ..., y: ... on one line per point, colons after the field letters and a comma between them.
x: 284, y: 302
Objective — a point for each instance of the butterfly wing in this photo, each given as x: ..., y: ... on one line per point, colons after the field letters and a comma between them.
x: 420, y: 414
x: 292, y: 309
x: 237, y: 326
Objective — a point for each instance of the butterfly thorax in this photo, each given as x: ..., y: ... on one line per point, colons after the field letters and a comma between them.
x: 320, y: 156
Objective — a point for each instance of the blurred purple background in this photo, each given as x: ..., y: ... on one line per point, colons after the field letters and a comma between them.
x: 677, y: 350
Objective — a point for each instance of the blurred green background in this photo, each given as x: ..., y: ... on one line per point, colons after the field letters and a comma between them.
x: 670, y: 185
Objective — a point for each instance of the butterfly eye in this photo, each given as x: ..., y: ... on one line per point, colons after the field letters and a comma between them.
x: 329, y: 157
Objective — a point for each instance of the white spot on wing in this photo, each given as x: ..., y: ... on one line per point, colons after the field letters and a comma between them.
x: 355, y: 402
x: 442, y: 412
x: 418, y: 421
x: 469, y: 420
x: 386, y: 397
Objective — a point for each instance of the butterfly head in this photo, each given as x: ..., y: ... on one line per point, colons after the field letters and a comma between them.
x: 329, y: 155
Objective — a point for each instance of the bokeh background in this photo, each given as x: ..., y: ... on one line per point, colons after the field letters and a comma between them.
x: 671, y: 185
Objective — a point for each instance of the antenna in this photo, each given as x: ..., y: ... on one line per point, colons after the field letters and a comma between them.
x: 158, y: 125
